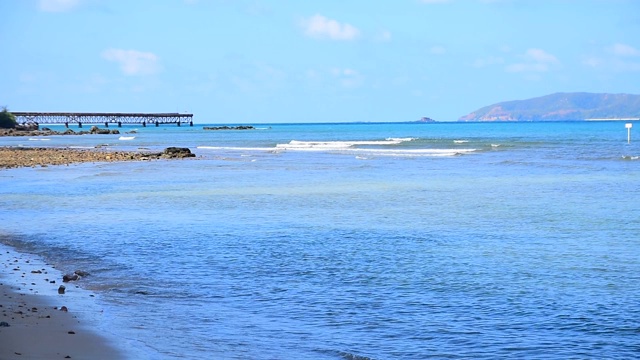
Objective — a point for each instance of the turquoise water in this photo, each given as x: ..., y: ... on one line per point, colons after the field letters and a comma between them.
x: 350, y: 241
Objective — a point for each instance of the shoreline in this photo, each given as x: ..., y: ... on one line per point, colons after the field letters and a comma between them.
x: 37, y: 322
x: 17, y: 157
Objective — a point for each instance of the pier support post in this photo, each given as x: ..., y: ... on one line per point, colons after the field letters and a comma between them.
x: 178, y: 122
x: 157, y: 124
x: 144, y: 123
x: 190, y: 123
x: 119, y: 123
x: 66, y: 124
x: 79, y: 124
x: 106, y: 124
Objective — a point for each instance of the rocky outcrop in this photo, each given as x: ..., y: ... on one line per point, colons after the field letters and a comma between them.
x: 241, y: 127
x: 22, y: 130
x: 26, y: 127
x: 13, y: 157
x: 176, y: 152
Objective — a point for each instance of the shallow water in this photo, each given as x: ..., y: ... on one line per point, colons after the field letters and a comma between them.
x: 512, y: 240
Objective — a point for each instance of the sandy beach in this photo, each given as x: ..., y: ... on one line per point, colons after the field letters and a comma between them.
x: 14, y: 157
x: 37, y: 322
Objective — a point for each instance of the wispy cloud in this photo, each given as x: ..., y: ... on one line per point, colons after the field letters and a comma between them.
x: 488, y: 61
x: 383, y: 36
x: 438, y: 50
x: 57, y: 5
x: 534, y: 60
x: 616, y: 57
x: 321, y: 27
x: 623, y: 50
x: 133, y: 62
x: 348, y: 78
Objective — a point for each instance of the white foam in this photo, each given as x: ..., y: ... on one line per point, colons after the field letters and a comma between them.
x: 38, y: 139
x: 349, y: 147
x: 126, y: 137
x: 401, y: 139
x: 234, y: 148
x: 495, y: 145
x: 337, y: 145
x: 460, y: 141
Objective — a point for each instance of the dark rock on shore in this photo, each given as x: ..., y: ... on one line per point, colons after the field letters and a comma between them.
x: 25, y: 130
x: 26, y: 127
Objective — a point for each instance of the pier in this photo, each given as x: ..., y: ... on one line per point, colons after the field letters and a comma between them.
x: 117, y: 119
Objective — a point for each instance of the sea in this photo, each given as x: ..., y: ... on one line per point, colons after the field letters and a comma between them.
x: 348, y: 241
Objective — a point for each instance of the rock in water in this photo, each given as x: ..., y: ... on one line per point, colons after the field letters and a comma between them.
x: 177, y: 152
x: 61, y: 289
x: 70, y: 277
x: 81, y: 273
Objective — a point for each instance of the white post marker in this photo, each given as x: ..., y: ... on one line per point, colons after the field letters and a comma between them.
x: 628, y: 126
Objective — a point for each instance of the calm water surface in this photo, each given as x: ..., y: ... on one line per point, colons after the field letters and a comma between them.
x: 350, y: 241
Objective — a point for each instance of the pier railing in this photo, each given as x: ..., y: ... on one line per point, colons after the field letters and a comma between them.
x: 118, y: 119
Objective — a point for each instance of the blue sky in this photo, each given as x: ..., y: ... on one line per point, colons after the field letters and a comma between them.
x: 251, y: 61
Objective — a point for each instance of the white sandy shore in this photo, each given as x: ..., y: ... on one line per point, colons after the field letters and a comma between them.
x: 38, y: 327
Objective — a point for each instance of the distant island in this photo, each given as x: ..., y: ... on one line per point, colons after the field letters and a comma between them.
x: 425, y: 119
x: 561, y: 107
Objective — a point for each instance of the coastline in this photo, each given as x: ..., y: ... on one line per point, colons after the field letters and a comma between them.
x: 36, y: 322
x: 15, y: 157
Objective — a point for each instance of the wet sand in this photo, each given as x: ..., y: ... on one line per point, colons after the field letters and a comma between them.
x: 36, y: 322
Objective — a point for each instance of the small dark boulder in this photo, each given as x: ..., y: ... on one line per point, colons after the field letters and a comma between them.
x: 81, y: 273
x: 70, y: 277
x: 177, y: 152
x: 61, y: 289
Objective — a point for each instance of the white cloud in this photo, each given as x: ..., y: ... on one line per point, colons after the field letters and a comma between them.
x: 488, y: 61
x: 534, y: 60
x: 592, y: 61
x: 540, y: 56
x: 624, y: 50
x: 524, y: 67
x: 438, y: 50
x: 133, y: 62
x: 321, y: 27
x: 617, y: 57
x: 384, y: 36
x: 57, y: 5
x: 347, y: 77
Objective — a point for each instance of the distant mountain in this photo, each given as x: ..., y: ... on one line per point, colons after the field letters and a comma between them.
x: 561, y: 106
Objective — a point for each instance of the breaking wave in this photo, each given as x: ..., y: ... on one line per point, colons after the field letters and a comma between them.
x: 360, y: 147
